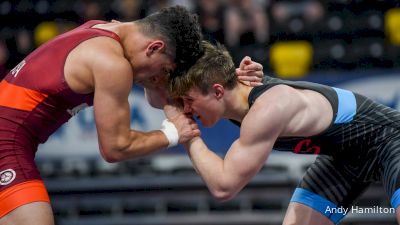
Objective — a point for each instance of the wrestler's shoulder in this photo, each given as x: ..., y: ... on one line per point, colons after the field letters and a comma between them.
x: 101, y: 46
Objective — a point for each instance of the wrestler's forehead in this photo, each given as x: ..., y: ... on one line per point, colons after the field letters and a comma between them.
x: 193, y: 92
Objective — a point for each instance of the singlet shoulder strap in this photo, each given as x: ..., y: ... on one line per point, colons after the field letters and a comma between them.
x: 91, y: 23
x: 268, y: 82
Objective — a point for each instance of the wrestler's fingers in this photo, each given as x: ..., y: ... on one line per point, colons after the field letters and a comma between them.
x: 194, y: 126
x: 254, y: 83
x: 253, y: 66
x: 196, y: 133
x: 253, y: 78
x: 240, y: 72
x: 245, y: 61
x: 251, y: 83
x: 258, y: 74
x: 192, y: 121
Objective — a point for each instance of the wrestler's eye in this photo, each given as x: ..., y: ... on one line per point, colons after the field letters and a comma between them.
x: 187, y: 100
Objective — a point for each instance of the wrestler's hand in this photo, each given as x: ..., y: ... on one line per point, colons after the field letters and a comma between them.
x: 186, y: 126
x: 249, y: 72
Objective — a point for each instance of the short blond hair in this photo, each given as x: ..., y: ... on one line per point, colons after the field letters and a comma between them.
x: 215, y: 66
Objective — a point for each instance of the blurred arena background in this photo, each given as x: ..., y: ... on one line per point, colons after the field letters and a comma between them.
x: 349, y: 44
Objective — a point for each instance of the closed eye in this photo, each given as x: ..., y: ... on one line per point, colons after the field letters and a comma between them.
x: 187, y: 99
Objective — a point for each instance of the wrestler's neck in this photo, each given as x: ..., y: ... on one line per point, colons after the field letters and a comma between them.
x: 130, y: 34
x: 236, y: 102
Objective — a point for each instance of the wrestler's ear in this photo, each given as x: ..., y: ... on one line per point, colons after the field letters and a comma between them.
x: 154, y: 46
x: 218, y: 91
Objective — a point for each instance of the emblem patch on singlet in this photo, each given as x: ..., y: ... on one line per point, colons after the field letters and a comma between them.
x: 76, y: 109
x: 16, y: 69
x: 7, y: 176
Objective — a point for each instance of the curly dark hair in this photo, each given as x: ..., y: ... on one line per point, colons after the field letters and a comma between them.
x: 182, y: 33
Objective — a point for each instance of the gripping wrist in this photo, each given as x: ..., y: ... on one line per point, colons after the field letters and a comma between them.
x: 170, y: 131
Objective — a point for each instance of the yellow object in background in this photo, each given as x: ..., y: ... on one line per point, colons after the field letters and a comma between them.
x: 392, y: 26
x: 291, y: 59
x: 45, y: 31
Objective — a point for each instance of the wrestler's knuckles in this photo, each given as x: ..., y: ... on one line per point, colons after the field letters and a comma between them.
x: 186, y: 136
x: 185, y: 130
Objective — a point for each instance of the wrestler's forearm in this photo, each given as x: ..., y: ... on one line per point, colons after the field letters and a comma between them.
x: 211, y: 169
x: 139, y: 144
x: 144, y: 143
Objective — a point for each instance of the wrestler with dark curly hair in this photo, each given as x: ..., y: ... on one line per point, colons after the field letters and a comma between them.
x: 94, y: 64
x: 181, y: 33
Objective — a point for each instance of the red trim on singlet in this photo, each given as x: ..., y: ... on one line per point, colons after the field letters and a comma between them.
x: 17, y: 97
x: 22, y: 194
x: 96, y: 22
x: 113, y: 35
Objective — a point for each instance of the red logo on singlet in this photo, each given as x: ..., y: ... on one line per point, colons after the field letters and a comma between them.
x: 303, y: 146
